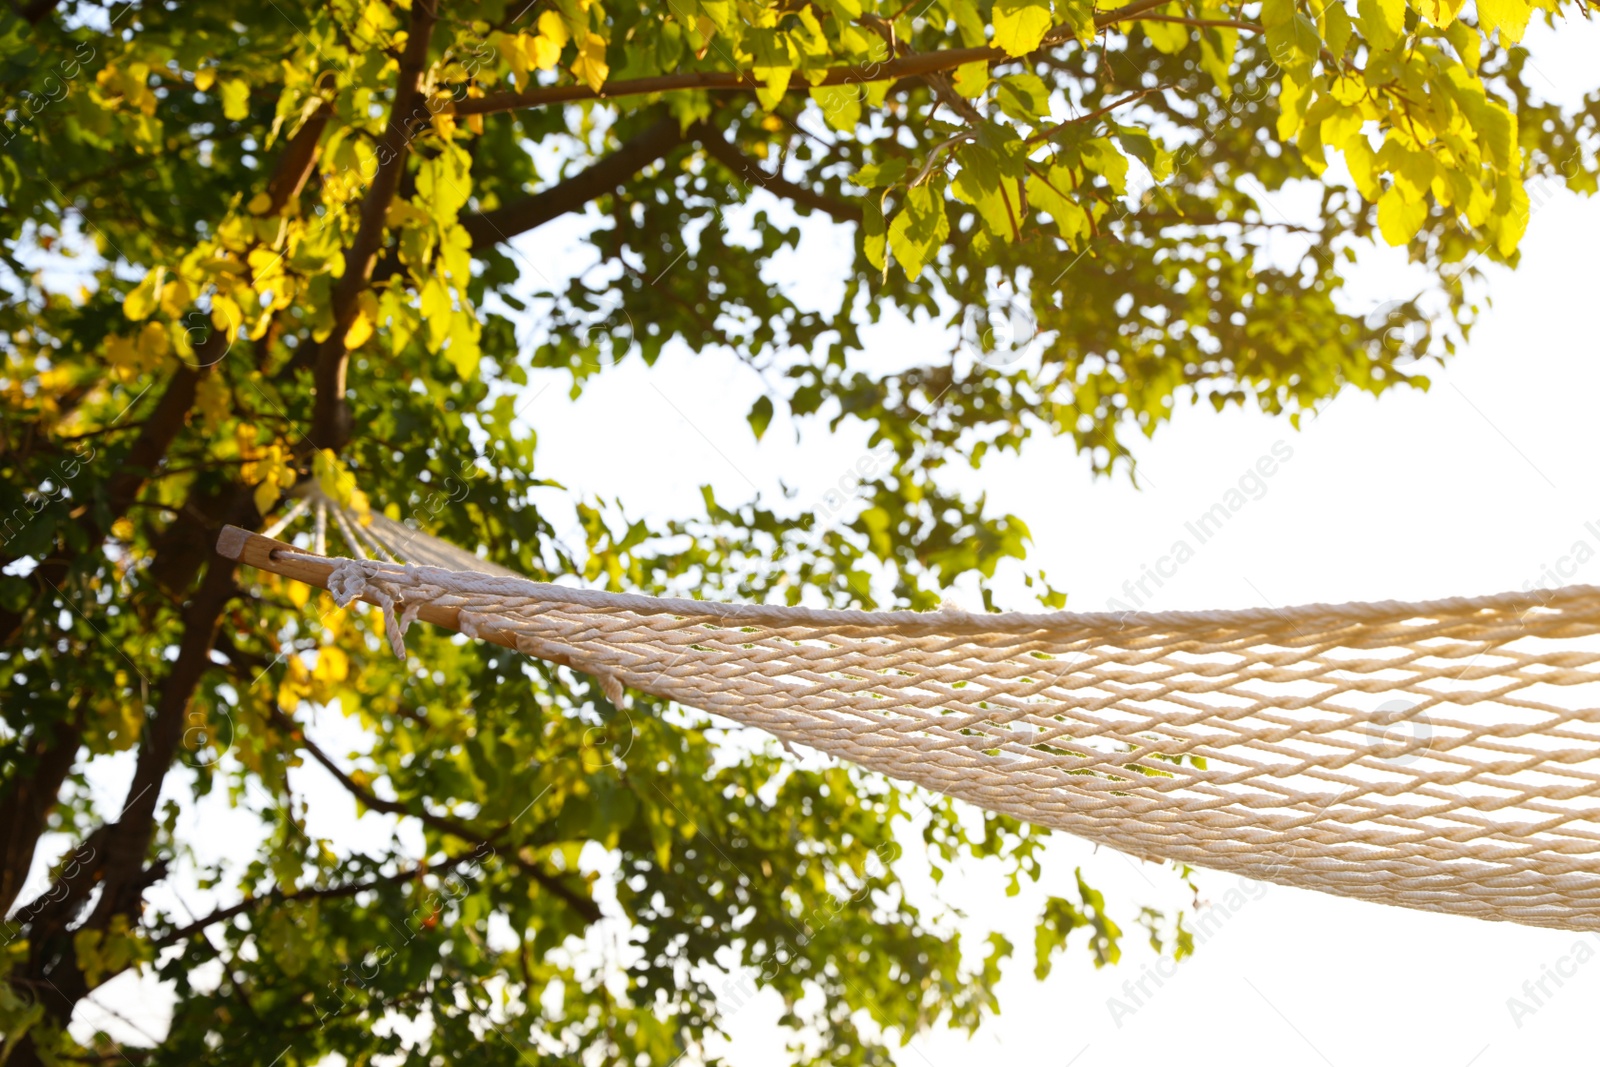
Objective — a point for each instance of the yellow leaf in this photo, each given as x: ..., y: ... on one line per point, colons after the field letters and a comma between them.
x: 337, y: 482
x: 544, y: 51
x: 515, y: 51
x: 140, y: 303
x: 1440, y: 12
x: 1381, y: 21
x: 361, y: 329
x: 123, y: 356
x: 265, y: 496
x: 464, y: 351
x: 1362, y: 161
x: 332, y: 665
x: 203, y: 79
x: 259, y: 204
x: 1341, y: 127
x: 1348, y: 90
x: 153, y: 344
x: 971, y: 79
x: 1293, y: 100
x: 1514, y: 215
x: 1399, y: 219
x: 774, y: 83
x: 211, y: 397
x: 1509, y: 16
x: 226, y: 315
x: 175, y: 297
x: 552, y: 26
x: 590, y: 66
x: 1019, y: 25
x: 235, y: 99
x: 436, y: 311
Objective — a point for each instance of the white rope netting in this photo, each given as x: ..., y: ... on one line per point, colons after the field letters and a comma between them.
x: 1442, y: 756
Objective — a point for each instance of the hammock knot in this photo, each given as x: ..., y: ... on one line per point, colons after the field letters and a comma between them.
x: 353, y: 579
x: 347, y: 582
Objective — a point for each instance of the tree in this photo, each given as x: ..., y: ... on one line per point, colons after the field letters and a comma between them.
x: 255, y: 244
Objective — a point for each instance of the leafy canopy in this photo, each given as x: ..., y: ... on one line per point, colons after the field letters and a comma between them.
x: 251, y: 244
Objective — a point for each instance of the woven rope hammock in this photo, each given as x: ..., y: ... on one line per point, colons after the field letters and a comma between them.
x: 1442, y: 755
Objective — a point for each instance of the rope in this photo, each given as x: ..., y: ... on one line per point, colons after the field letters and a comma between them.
x: 1442, y: 755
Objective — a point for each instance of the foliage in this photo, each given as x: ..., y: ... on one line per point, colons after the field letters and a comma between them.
x: 252, y: 244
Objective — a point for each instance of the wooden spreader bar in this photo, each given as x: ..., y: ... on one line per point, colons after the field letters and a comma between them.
x: 243, y: 546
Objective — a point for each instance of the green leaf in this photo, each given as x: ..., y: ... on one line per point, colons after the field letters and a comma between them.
x: 840, y: 105
x: 1141, y: 146
x: 1103, y: 158
x: 1048, y: 193
x: 919, y: 229
x: 1217, y: 47
x: 760, y: 416
x: 14, y: 593
x: 979, y: 183
x: 1169, y: 38
x: 1024, y: 97
x: 877, y: 175
x: 874, y: 235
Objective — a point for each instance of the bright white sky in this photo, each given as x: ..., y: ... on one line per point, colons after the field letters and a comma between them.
x: 1475, y: 487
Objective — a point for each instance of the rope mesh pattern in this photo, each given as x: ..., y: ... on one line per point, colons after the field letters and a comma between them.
x: 1438, y: 756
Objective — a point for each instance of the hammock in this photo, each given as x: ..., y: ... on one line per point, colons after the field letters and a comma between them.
x: 1436, y: 755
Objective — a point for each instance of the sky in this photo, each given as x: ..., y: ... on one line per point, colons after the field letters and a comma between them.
x: 1483, y: 483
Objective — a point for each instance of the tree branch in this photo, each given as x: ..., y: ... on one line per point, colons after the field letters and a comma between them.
x: 33, y: 13
x: 1228, y: 24
x: 28, y: 797
x: 910, y: 66
x: 644, y: 148
x: 442, y: 823
x: 330, y: 417
x: 1062, y: 127
x: 748, y: 170
x: 117, y: 865
x: 278, y: 896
